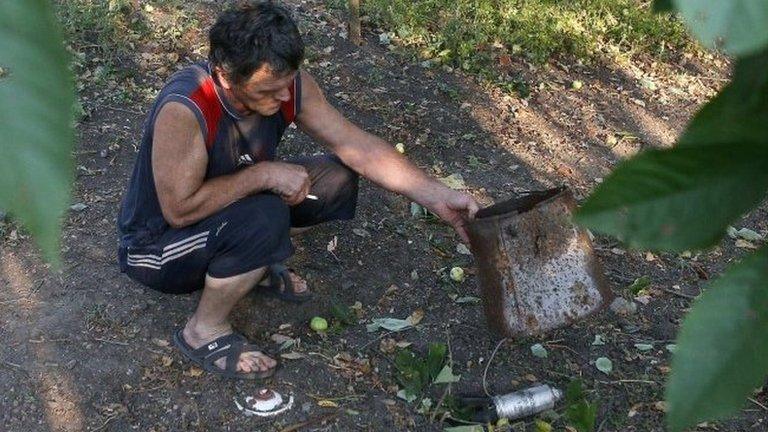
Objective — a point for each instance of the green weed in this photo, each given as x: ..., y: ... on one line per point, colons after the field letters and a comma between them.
x: 473, y: 33
x: 104, y: 32
x: 415, y: 373
x: 580, y: 412
x: 104, y: 26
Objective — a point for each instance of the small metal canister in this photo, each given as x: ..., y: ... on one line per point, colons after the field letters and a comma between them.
x: 537, y: 270
x: 512, y: 406
x: 526, y: 402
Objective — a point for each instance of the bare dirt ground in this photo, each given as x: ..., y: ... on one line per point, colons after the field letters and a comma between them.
x: 85, y: 348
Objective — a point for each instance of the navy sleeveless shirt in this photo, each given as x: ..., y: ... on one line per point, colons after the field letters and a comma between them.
x: 233, y: 142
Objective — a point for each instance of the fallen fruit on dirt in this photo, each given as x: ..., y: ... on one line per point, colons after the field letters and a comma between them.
x: 577, y: 85
x: 318, y: 324
x: 457, y: 274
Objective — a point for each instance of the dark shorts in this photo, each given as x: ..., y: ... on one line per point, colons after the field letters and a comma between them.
x: 246, y: 235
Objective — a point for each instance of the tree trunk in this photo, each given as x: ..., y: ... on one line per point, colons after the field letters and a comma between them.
x: 354, y: 22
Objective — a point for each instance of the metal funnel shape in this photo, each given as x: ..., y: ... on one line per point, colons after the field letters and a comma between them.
x: 537, y: 270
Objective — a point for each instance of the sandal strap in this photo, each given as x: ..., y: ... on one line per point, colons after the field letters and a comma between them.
x: 233, y: 356
x: 218, y: 347
x: 280, y: 273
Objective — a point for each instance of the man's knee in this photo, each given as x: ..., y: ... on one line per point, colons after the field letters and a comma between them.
x: 244, y: 280
x: 263, y: 219
x: 253, y: 233
x: 340, y: 178
x: 266, y: 213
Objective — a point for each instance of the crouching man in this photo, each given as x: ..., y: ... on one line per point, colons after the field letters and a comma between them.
x: 208, y: 206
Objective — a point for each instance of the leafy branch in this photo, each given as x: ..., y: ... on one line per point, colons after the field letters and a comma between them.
x: 687, y: 196
x: 36, y: 111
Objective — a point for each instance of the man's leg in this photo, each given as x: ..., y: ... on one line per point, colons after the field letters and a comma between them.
x: 210, y: 320
x: 336, y: 187
x: 299, y: 283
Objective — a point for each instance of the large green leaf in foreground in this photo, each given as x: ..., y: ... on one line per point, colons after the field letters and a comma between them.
x: 721, y: 354
x: 739, y: 26
x: 678, y: 199
x: 685, y: 197
x: 36, y: 136
x: 739, y: 113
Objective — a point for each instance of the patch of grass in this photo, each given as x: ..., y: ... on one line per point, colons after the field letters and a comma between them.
x: 112, y: 41
x: 104, y: 31
x: 103, y: 26
x: 473, y: 34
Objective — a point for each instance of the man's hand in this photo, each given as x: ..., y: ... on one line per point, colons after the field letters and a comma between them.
x: 455, y: 208
x: 290, y: 181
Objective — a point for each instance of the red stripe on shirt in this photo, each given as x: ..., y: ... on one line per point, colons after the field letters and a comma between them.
x: 205, y: 98
x: 289, y: 107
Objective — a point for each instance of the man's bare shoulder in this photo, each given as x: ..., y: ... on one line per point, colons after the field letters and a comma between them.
x: 314, y: 106
x: 175, y: 113
x: 310, y: 90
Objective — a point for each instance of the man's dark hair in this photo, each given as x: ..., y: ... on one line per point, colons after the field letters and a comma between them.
x: 254, y: 33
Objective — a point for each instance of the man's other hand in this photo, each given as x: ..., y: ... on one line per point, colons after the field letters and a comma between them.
x: 290, y: 181
x: 455, y: 208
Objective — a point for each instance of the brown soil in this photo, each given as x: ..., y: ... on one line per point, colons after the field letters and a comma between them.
x: 85, y: 348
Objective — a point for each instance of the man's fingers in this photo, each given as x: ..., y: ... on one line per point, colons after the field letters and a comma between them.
x: 461, y: 229
x: 472, y: 208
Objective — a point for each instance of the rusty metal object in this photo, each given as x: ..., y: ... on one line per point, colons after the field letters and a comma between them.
x: 536, y: 269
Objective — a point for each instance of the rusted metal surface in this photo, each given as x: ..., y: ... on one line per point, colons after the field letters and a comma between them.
x: 536, y: 269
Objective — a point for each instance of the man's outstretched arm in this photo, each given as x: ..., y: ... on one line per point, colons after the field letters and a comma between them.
x: 378, y: 161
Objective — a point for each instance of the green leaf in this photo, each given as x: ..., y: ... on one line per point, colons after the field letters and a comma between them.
x: 737, y: 26
x: 343, y: 313
x: 36, y: 100
x: 604, y: 365
x: 579, y: 412
x: 660, y: 6
x: 435, y: 359
x: 468, y: 428
x: 407, y: 395
x: 539, y: 351
x: 542, y: 426
x: 639, y: 284
x: 599, y: 340
x: 409, y: 373
x: 415, y: 373
x: 744, y: 233
x: 417, y: 211
x: 739, y: 113
x: 446, y: 376
x: 391, y: 324
x: 721, y: 355
x: 680, y: 198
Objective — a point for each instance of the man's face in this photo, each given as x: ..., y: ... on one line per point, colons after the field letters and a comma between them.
x: 262, y: 93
